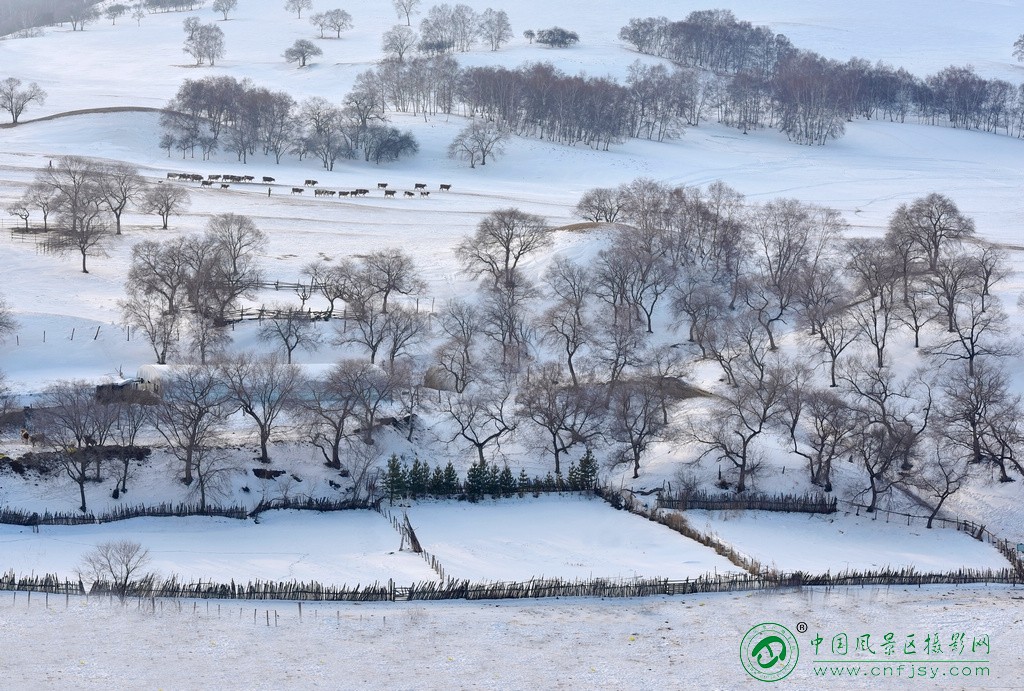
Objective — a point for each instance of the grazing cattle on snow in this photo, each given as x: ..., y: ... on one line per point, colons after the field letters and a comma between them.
x: 343, y: 193
x: 247, y: 178
x: 310, y: 183
x: 266, y: 179
x: 297, y: 190
x: 224, y: 185
x: 382, y: 185
x: 213, y: 177
x: 361, y: 192
x: 445, y: 188
x: 389, y: 193
x: 206, y: 183
x: 420, y: 186
x: 424, y: 193
x: 172, y: 176
x: 407, y: 193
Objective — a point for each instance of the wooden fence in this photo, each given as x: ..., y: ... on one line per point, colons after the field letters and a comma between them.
x: 532, y: 589
x: 794, y: 503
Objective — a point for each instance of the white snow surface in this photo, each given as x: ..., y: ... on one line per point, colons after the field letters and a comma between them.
x: 678, y: 643
x: 68, y: 327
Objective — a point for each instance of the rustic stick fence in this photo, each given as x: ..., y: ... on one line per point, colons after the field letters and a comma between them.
x: 532, y: 589
x: 793, y: 503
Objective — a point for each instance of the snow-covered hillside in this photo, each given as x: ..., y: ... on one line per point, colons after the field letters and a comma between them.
x: 69, y: 327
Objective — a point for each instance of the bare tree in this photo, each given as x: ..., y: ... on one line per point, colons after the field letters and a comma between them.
x: 634, y: 418
x: 406, y: 8
x: 160, y: 269
x: 213, y: 468
x: 478, y: 140
x: 301, y: 51
x: 21, y: 211
x: 568, y: 414
x: 822, y: 431
x: 40, y: 195
x: 161, y: 326
x: 224, y: 6
x: 495, y: 28
x: 742, y: 414
x: 390, y: 271
x: 601, y: 204
x: 204, y: 42
x: 165, y: 201
x: 368, y: 328
x: 297, y: 6
x: 618, y: 345
x: 891, y: 415
x: 325, y: 405
x: 120, y: 563
x: 114, y: 11
x: 120, y: 185
x: 977, y: 333
x: 791, y: 238
x: 225, y: 265
x: 263, y: 387
x: 463, y: 324
x: 399, y: 40
x: 191, y: 414
x: 482, y: 416
x: 501, y: 240
x: 338, y: 21
x: 507, y: 317
x: 931, y: 223
x: 73, y: 423
x: 292, y: 329
x: 941, y: 473
x: 403, y: 329
x: 131, y: 417
x: 14, y: 99
x: 7, y: 321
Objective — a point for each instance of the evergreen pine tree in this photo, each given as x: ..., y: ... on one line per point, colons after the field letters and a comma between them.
x: 476, y: 481
x: 451, y: 480
x: 494, y: 481
x: 574, y: 478
x: 396, y: 481
x: 419, y: 478
x: 524, y: 482
x: 549, y: 482
x: 588, y: 471
x: 507, y: 482
x: 437, y: 487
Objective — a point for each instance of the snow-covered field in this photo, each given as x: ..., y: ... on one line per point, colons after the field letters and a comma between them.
x: 68, y: 327
x: 677, y: 643
x: 815, y: 543
x: 556, y: 537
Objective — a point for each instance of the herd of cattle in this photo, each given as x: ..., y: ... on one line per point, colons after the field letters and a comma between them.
x: 225, y: 180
